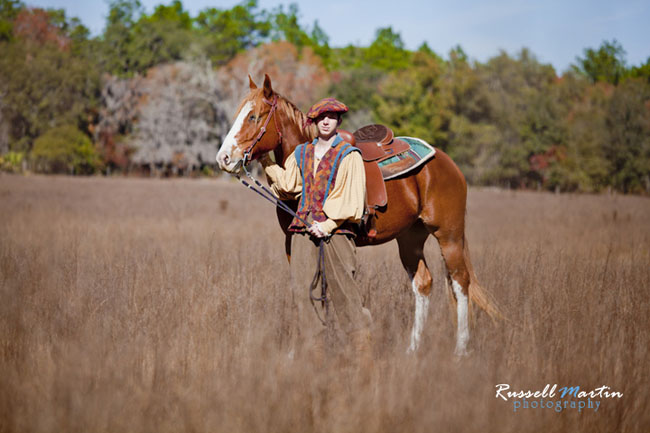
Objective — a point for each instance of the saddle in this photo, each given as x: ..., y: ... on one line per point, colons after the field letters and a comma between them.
x: 375, y: 144
x: 378, y: 143
x: 384, y: 157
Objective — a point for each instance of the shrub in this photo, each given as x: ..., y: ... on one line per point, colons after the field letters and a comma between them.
x: 65, y: 149
x: 12, y: 161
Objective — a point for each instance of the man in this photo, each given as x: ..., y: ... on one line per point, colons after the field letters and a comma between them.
x: 329, y: 176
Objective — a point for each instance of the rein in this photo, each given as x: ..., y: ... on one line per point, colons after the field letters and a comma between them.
x: 268, y: 195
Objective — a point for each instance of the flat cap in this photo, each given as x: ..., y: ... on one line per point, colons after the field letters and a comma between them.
x: 326, y: 105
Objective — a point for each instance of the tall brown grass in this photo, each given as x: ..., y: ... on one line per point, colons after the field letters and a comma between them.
x: 154, y: 306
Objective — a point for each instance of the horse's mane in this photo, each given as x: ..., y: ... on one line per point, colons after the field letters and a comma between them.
x: 287, y: 107
x: 297, y: 116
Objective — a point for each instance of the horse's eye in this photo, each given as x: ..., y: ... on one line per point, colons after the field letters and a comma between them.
x: 252, y: 118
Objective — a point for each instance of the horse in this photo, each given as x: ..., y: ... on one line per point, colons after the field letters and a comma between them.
x: 429, y: 201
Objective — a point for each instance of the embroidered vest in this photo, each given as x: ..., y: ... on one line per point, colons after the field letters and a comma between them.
x: 316, y: 186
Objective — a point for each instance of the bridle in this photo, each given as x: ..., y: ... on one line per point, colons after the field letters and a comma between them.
x: 274, y: 106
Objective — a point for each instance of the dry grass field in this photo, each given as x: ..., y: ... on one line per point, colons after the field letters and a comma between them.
x: 137, y: 305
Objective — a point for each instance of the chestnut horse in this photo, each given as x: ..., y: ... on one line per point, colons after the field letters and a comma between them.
x: 428, y: 201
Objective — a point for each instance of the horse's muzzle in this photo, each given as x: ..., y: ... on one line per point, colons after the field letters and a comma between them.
x: 227, y: 163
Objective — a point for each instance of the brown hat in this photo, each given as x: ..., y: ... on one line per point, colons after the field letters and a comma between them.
x: 325, y: 106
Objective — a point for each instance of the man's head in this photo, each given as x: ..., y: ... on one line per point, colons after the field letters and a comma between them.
x: 327, y: 114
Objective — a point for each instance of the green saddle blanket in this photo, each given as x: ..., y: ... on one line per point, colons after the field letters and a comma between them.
x: 419, y: 152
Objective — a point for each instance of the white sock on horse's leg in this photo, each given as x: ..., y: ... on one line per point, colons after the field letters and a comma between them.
x: 462, y: 333
x: 421, y: 310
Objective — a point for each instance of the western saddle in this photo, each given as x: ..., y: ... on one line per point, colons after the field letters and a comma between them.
x: 376, y: 143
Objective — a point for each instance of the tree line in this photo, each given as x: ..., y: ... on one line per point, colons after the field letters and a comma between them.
x: 155, y: 93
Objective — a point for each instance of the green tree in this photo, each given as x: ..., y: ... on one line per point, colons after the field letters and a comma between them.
x: 607, y: 63
x: 8, y: 11
x: 355, y: 86
x: 231, y: 31
x: 164, y: 36
x: 319, y: 42
x: 410, y: 100
x: 628, y: 146
x: 578, y: 163
x: 642, y: 71
x: 387, y: 51
x: 517, y: 91
x: 65, y: 149
x: 286, y: 26
x: 43, y: 86
x: 472, y: 135
x: 116, y: 41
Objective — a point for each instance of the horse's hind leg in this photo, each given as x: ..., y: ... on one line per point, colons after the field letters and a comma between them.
x: 411, y: 252
x: 458, y: 276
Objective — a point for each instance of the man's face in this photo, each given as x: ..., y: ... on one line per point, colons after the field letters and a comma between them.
x: 327, y: 123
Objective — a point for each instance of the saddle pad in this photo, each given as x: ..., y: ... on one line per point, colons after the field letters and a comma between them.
x: 420, y: 152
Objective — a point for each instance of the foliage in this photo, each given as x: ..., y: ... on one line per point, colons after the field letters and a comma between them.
x: 300, y: 76
x: 181, y: 121
x: 387, y: 51
x: 356, y: 86
x: 628, y: 146
x: 231, y: 31
x: 120, y: 101
x: 115, y: 54
x: 286, y: 26
x: 137, y: 45
x: 170, y: 81
x: 642, y: 71
x: 43, y: 87
x: 41, y: 27
x: 9, y: 10
x: 411, y: 100
x: 65, y: 149
x: 162, y: 37
x: 605, y: 64
x: 12, y: 161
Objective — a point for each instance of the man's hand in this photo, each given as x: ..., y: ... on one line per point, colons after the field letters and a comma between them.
x: 316, y: 230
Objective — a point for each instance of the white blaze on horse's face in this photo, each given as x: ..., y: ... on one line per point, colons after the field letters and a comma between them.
x: 230, y: 154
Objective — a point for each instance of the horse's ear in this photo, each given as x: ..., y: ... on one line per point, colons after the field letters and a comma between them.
x: 268, y: 90
x: 251, y: 83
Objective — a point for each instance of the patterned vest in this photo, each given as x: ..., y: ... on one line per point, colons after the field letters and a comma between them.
x: 316, y: 186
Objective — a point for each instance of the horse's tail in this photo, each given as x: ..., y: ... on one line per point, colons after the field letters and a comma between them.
x: 477, y: 293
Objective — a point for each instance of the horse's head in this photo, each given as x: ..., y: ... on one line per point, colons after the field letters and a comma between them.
x: 254, y: 130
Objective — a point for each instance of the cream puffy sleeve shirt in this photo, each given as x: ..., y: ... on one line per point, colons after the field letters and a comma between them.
x: 346, y: 200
